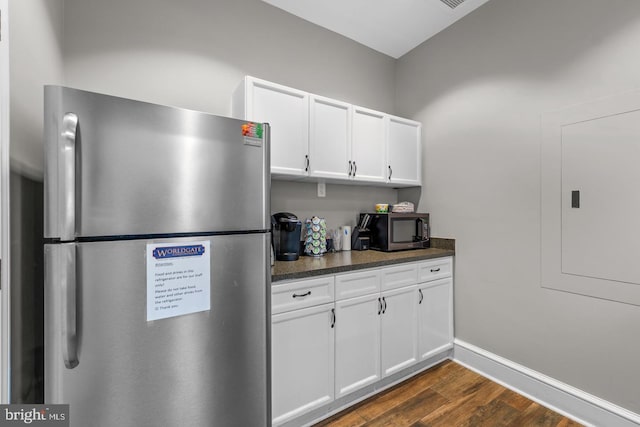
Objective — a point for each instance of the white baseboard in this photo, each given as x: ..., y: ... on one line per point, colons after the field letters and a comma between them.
x: 560, y: 397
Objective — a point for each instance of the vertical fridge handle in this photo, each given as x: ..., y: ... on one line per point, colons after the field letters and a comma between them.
x: 67, y: 147
x: 69, y: 312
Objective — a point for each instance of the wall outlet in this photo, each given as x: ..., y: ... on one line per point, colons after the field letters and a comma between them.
x: 322, y: 189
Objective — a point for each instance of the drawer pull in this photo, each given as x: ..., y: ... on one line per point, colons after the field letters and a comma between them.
x: 435, y: 270
x: 306, y: 294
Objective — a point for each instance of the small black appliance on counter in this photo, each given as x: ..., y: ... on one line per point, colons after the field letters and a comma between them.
x: 286, y: 229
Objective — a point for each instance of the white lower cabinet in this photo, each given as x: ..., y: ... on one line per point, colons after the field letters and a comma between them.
x: 376, y: 333
x: 399, y: 276
x: 435, y: 317
x: 399, y: 337
x: 302, y: 361
x: 357, y: 343
x: 363, y: 326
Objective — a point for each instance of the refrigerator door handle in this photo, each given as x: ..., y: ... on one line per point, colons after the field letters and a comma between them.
x: 67, y: 147
x: 69, y: 316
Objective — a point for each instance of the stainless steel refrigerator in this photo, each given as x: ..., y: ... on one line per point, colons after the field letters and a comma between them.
x: 157, y: 267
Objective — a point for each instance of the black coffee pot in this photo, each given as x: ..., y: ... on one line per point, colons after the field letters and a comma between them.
x: 286, y: 229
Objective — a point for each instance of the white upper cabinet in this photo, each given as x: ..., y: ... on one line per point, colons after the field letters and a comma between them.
x: 329, y: 137
x: 368, y: 145
x: 287, y: 111
x: 403, y: 152
x: 321, y: 139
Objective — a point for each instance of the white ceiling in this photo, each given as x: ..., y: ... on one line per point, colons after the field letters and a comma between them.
x: 392, y: 27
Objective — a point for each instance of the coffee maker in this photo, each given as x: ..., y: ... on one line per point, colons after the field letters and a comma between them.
x: 285, y: 235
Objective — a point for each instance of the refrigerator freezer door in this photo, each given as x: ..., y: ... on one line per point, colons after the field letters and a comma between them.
x: 201, y: 369
x: 145, y: 169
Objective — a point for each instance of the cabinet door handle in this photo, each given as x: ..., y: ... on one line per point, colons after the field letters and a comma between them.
x: 355, y: 169
x: 306, y: 161
x: 435, y: 270
x: 421, y: 296
x: 306, y: 294
x: 379, y: 306
x: 390, y: 172
x: 350, y: 167
x: 333, y: 317
x: 384, y: 300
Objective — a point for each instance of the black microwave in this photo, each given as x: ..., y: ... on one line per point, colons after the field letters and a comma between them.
x: 398, y: 231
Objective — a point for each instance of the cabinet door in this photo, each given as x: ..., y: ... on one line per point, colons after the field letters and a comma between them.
x: 399, y: 326
x: 302, y: 363
x: 403, y: 152
x: 329, y: 138
x: 287, y: 111
x: 368, y: 147
x: 357, y: 343
x: 435, y: 317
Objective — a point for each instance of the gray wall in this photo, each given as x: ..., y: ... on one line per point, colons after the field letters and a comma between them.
x: 194, y: 53
x: 340, y: 207
x: 36, y: 59
x: 480, y: 88
x: 27, y: 292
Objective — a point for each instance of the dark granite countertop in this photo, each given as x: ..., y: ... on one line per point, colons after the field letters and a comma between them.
x: 339, y: 262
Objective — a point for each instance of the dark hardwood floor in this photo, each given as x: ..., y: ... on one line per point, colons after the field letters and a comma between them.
x: 448, y: 395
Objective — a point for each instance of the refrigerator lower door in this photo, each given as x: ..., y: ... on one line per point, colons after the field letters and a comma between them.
x: 201, y: 369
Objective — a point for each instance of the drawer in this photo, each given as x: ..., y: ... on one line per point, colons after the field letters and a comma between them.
x: 435, y: 269
x: 301, y: 294
x: 351, y: 285
x: 399, y: 276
